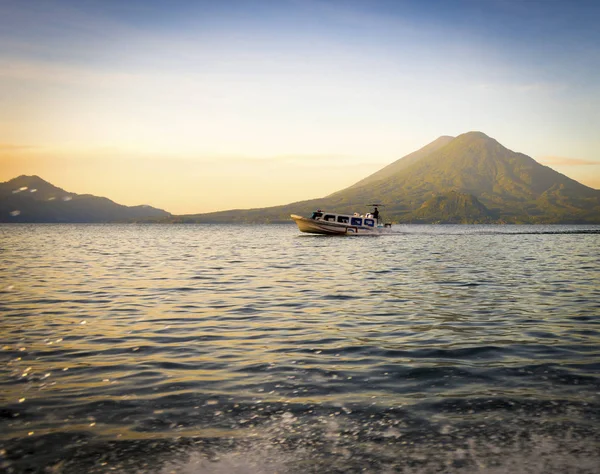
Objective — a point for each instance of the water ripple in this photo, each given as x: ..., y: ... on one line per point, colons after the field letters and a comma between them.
x: 234, y: 332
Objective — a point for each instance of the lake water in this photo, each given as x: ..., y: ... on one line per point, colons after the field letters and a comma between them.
x: 257, y: 349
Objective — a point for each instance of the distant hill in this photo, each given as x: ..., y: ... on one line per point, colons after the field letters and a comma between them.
x: 31, y: 199
x: 468, y: 179
x: 490, y: 184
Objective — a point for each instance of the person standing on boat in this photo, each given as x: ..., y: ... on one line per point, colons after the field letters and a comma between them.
x: 376, y: 214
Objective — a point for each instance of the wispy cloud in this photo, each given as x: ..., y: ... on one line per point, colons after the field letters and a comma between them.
x: 314, y: 160
x: 41, y: 71
x: 523, y: 87
x: 564, y: 161
x: 10, y: 147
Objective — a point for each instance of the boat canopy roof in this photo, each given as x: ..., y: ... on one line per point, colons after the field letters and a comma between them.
x: 345, y: 219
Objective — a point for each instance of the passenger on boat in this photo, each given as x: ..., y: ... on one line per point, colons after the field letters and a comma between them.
x: 376, y: 214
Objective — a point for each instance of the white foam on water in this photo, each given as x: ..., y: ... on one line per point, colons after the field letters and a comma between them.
x: 237, y: 462
x: 542, y: 460
x: 536, y: 454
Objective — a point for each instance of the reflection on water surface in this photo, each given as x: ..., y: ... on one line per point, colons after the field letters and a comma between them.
x: 453, y: 346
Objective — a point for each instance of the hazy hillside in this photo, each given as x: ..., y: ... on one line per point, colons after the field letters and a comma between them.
x: 513, y: 186
x: 399, y: 165
x: 31, y: 199
x: 454, y: 208
x: 468, y: 179
x: 493, y: 184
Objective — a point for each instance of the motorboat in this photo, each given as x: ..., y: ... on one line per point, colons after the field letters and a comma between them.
x: 330, y: 223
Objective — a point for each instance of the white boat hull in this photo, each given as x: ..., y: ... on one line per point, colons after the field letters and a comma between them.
x: 313, y: 226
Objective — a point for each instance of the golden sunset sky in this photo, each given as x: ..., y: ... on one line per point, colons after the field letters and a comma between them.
x: 201, y: 106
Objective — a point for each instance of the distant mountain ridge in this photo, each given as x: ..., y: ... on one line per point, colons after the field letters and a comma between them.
x: 466, y: 179
x: 513, y: 186
x: 491, y: 184
x: 31, y: 199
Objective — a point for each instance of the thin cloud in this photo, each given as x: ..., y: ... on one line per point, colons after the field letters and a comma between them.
x: 564, y: 161
x: 13, y: 147
x: 541, y: 87
x: 42, y: 71
x: 337, y: 162
x: 523, y: 88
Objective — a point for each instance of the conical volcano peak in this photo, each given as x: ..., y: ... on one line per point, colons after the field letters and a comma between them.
x: 512, y: 186
x: 475, y: 137
x: 477, y: 146
x: 474, y: 134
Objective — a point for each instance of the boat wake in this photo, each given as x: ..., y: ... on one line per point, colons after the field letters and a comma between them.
x: 543, y: 455
x: 460, y: 229
x: 337, y: 443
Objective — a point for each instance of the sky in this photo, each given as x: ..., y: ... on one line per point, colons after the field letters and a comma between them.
x: 199, y: 106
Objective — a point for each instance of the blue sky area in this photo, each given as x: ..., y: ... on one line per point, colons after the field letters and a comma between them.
x: 281, y: 88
